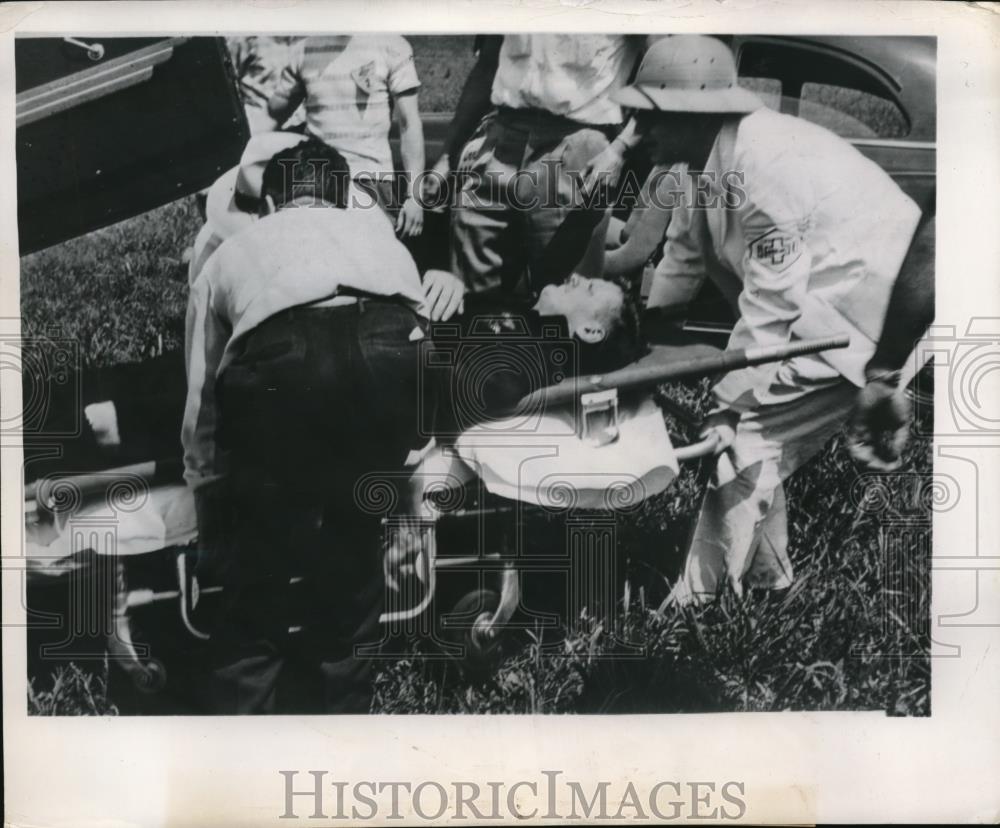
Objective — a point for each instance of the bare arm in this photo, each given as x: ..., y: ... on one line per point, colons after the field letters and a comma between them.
x: 646, y: 234
x: 411, y: 135
x: 911, y: 304
x: 475, y: 99
x: 880, y: 423
x: 287, y: 97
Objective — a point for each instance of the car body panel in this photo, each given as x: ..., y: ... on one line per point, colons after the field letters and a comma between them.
x: 99, y: 141
x: 901, y: 70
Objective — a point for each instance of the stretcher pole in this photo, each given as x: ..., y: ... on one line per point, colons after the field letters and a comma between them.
x: 653, y: 372
x: 91, y: 483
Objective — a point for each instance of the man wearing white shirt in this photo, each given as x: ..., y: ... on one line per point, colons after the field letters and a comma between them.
x: 805, y: 237
x: 302, y: 366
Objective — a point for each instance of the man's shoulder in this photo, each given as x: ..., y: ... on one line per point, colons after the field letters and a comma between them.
x: 396, y: 44
x: 775, y: 150
x: 390, y: 46
x: 764, y: 131
x: 769, y: 135
x: 280, y: 231
x: 311, y: 242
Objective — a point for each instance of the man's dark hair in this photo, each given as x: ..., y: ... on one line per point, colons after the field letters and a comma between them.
x: 624, y: 342
x: 312, y: 170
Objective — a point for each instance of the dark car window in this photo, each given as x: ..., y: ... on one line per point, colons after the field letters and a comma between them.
x: 852, y: 113
x: 827, y: 85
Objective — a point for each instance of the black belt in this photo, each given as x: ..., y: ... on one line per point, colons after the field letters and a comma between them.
x: 362, y: 299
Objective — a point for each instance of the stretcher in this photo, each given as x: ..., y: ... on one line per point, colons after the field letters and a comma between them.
x: 596, y: 443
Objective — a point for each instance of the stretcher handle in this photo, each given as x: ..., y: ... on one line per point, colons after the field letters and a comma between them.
x: 695, y: 451
x: 646, y: 374
x: 90, y: 483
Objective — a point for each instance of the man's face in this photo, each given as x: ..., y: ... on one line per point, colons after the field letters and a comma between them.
x: 672, y: 137
x: 591, y: 306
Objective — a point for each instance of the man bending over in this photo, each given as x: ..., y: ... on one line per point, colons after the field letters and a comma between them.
x: 302, y: 378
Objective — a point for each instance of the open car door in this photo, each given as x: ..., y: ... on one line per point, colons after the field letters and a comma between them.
x: 110, y: 127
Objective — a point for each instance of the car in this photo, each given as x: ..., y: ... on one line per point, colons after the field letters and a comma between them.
x: 111, y: 127
x: 877, y: 92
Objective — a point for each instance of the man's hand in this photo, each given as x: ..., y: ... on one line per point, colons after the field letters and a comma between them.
x: 879, y: 426
x: 604, y: 168
x: 410, y: 221
x: 722, y: 425
x: 103, y: 420
x: 443, y: 292
x: 435, y: 182
x: 404, y: 557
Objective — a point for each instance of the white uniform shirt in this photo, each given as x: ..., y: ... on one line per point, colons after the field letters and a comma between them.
x: 571, y: 75
x: 294, y: 257
x: 811, y: 248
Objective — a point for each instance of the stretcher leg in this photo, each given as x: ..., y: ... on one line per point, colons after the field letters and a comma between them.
x: 149, y: 676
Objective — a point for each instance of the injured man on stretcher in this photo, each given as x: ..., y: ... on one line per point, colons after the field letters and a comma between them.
x: 489, y: 367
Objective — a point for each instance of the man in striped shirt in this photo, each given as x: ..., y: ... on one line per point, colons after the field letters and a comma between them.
x: 550, y: 145
x: 259, y: 62
x: 351, y: 85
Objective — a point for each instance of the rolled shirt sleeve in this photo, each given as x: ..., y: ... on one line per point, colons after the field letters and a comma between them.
x: 402, y: 77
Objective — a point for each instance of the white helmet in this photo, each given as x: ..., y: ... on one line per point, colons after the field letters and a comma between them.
x: 688, y: 73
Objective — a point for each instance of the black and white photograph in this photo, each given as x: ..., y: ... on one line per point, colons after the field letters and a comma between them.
x: 527, y: 372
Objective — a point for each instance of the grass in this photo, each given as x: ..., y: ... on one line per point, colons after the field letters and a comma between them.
x: 119, y: 292
x: 74, y: 692
x: 852, y: 633
x: 443, y: 63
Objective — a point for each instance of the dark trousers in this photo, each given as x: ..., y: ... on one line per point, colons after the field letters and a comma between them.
x: 317, y: 399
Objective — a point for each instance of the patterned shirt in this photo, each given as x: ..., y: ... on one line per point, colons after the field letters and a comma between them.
x: 566, y: 74
x: 259, y: 62
x: 348, y: 83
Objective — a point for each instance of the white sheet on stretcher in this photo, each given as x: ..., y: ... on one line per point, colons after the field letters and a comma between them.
x: 541, y: 460
x: 132, y: 526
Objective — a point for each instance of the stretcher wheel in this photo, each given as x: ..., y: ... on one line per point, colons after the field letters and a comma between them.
x: 467, y: 626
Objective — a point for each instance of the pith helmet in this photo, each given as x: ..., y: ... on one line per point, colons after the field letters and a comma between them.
x: 688, y: 73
